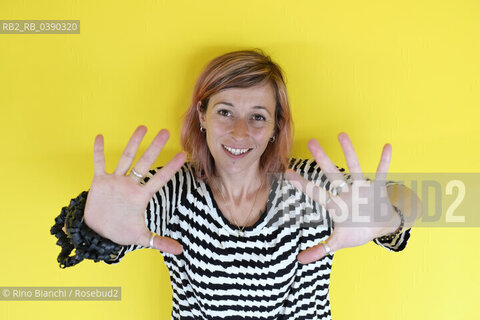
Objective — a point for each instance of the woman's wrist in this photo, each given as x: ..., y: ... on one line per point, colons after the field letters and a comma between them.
x: 396, y: 228
x: 73, y: 233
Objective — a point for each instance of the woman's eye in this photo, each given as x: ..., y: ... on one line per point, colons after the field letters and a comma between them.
x: 258, y: 117
x: 223, y: 112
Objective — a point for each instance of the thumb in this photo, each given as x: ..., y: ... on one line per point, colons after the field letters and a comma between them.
x: 167, y: 245
x: 317, y: 252
x: 163, y: 244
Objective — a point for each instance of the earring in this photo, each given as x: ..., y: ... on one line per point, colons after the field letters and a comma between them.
x: 202, y: 129
x: 272, y: 139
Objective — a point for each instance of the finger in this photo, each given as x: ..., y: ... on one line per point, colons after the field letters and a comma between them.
x: 384, y: 164
x: 350, y: 156
x: 164, y: 244
x: 168, y: 245
x: 329, y: 169
x: 98, y: 156
x: 314, y: 253
x: 130, y: 151
x: 148, y: 158
x: 315, y: 192
x: 161, y: 177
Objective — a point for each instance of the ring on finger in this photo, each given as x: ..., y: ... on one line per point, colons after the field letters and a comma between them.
x: 341, y: 186
x: 136, y: 175
x: 327, y: 248
x: 151, y: 240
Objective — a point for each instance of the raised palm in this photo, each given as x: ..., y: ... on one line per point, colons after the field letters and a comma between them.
x: 347, y: 233
x: 117, y: 202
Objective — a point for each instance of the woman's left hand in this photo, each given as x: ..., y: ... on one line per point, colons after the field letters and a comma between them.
x: 356, y: 209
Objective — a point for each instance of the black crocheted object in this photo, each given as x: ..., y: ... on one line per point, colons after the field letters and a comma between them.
x: 86, y: 242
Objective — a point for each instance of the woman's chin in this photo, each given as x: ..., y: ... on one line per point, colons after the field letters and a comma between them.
x: 232, y: 166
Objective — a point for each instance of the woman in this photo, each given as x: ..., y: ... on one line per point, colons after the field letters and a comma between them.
x: 238, y: 239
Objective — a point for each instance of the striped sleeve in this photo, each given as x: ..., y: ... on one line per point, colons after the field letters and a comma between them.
x: 156, y: 214
x: 397, y: 244
x: 310, y: 170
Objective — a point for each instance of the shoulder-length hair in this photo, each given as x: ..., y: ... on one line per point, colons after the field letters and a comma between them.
x: 238, y: 69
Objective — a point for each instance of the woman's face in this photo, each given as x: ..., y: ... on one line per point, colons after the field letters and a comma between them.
x: 239, y: 123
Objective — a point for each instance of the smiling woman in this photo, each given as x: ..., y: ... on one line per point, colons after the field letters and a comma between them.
x: 237, y: 232
x: 239, y: 127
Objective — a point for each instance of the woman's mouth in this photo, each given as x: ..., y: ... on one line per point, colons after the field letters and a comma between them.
x: 236, y: 152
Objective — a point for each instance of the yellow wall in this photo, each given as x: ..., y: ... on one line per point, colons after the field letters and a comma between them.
x: 404, y: 72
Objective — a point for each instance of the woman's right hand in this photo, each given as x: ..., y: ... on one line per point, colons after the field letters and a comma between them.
x: 116, y: 203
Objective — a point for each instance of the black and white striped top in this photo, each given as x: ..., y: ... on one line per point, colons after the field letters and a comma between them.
x: 222, y: 275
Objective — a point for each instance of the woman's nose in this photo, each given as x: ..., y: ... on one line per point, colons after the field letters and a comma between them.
x: 240, y: 129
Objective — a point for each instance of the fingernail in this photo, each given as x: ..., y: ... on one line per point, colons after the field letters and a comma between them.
x: 301, y: 260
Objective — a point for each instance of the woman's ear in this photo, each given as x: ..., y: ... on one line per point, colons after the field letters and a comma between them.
x: 201, y: 115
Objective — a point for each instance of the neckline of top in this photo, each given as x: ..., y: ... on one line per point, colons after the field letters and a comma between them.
x: 234, y: 228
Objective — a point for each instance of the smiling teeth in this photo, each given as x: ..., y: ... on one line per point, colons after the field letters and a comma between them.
x: 236, y: 151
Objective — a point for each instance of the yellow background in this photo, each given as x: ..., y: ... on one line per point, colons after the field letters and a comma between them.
x: 404, y: 72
